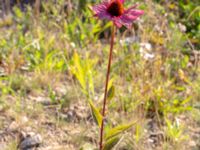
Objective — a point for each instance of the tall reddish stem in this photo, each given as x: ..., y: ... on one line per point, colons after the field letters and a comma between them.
x: 106, y: 88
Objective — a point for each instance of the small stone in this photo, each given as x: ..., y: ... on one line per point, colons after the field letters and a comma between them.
x: 13, y: 126
x: 88, y: 146
x: 61, y: 91
x: 3, y: 145
x: 192, y: 143
x: 81, y: 115
x: 150, y: 140
x: 30, y: 141
x: 64, y: 117
x: 24, y: 119
x: 182, y: 27
x: 42, y: 100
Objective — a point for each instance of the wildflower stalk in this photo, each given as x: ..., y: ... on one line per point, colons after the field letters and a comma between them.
x: 106, y: 87
x: 114, y: 11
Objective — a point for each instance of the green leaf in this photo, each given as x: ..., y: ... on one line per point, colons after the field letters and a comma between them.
x: 111, y: 93
x: 96, y: 114
x: 186, y: 101
x: 118, y: 130
x: 110, y: 83
x: 138, y: 130
x: 111, y: 143
x: 79, y: 70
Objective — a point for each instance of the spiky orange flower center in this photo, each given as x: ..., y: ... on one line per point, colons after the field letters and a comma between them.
x: 115, y: 8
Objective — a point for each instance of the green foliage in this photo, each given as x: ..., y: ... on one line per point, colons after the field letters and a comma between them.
x: 171, y: 106
x: 118, y: 130
x: 37, y: 55
x: 96, y: 114
x: 190, y: 16
x: 174, y: 131
x: 83, y: 70
x: 111, y: 93
x: 111, y: 143
x: 52, y: 95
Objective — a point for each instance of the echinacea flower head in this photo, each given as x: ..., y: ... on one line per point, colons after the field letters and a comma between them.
x: 114, y: 10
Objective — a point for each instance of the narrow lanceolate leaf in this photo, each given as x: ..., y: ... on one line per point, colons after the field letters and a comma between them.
x: 111, y: 93
x: 110, y: 83
x: 111, y: 143
x: 118, y: 130
x: 79, y: 71
x: 96, y: 114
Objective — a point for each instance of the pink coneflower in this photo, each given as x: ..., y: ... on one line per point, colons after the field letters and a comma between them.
x: 114, y: 10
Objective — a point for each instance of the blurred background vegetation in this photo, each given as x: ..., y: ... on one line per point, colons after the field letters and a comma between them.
x: 53, y: 57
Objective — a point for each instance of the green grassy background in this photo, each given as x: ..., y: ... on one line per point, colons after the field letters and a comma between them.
x: 60, y: 57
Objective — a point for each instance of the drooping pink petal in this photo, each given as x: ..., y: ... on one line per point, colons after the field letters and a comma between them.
x: 114, y: 11
x: 101, y: 10
x: 124, y: 20
x: 135, y: 13
x: 117, y: 22
x: 128, y: 17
